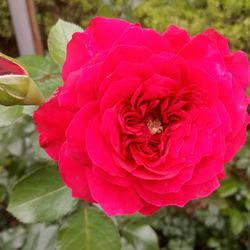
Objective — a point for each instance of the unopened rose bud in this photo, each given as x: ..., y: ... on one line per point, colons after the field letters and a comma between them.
x: 16, y: 87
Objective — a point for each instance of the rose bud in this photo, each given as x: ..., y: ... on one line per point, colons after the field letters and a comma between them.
x: 145, y: 120
x: 16, y: 87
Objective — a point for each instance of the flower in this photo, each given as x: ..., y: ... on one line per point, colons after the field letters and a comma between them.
x: 16, y: 87
x: 145, y: 120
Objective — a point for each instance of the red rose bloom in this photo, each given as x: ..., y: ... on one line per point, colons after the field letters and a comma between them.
x: 145, y: 120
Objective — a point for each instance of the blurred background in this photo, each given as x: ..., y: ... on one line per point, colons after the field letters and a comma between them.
x: 230, y: 17
x: 221, y: 222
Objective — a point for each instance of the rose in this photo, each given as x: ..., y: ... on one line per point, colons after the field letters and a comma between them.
x: 145, y: 120
x: 16, y: 87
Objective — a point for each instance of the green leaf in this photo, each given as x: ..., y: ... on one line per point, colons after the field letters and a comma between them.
x: 247, y: 205
x: 36, y: 150
x: 237, y: 222
x: 29, y: 110
x: 9, y: 115
x: 2, y: 193
x: 228, y: 188
x: 58, y: 39
x: 89, y: 229
x: 41, y: 197
x: 125, y: 245
x: 40, y: 237
x: 142, y: 237
x: 13, y: 238
x: 45, y: 72
x: 36, y: 66
x: 139, y: 219
x: 49, y: 86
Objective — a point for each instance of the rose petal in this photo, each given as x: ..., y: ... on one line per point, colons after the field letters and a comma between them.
x: 76, y: 141
x: 76, y: 57
x: 117, y: 180
x: 51, y: 123
x: 118, y: 91
x: 178, y: 37
x: 168, y: 185
x: 149, y: 209
x: 99, y: 151
x: 105, y: 31
x: 10, y: 67
x: 85, y: 86
x: 114, y: 200
x: 143, y: 37
x: 74, y: 175
x: 202, y: 172
x: 67, y: 97
x: 187, y: 193
x: 200, y: 46
x: 237, y: 63
x: 128, y: 53
x: 202, y: 80
x: 83, y: 46
x: 221, y: 41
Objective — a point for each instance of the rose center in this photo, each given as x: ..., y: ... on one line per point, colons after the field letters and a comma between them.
x: 155, y: 126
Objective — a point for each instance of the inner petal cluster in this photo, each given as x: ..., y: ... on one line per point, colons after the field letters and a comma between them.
x: 147, y: 126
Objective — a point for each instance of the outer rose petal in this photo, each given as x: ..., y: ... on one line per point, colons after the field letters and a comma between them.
x: 177, y: 37
x: 115, y: 200
x: 239, y: 122
x: 221, y: 41
x: 236, y: 143
x: 120, y: 53
x: 105, y: 31
x: 237, y: 63
x: 203, y: 173
x: 205, y: 82
x: 137, y: 36
x: 221, y: 74
x: 85, y: 87
x: 148, y: 209
x: 52, y: 122
x: 78, y: 89
x: 75, y: 58
x: 76, y: 141
x: 99, y: 151
x: 187, y: 193
x: 67, y: 97
x: 100, y: 35
x: 117, y: 180
x: 74, y: 175
x: 200, y: 46
x: 168, y: 186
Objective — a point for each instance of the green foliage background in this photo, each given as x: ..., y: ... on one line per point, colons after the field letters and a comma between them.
x: 221, y: 222
x: 230, y: 17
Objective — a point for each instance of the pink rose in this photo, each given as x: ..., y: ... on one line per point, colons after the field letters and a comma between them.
x: 145, y: 120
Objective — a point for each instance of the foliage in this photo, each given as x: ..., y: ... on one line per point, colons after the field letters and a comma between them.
x: 58, y: 39
x: 8, y: 44
x: 230, y: 17
x: 5, y: 25
x: 219, y: 222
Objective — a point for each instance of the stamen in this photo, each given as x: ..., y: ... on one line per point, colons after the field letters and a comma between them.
x: 155, y: 126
